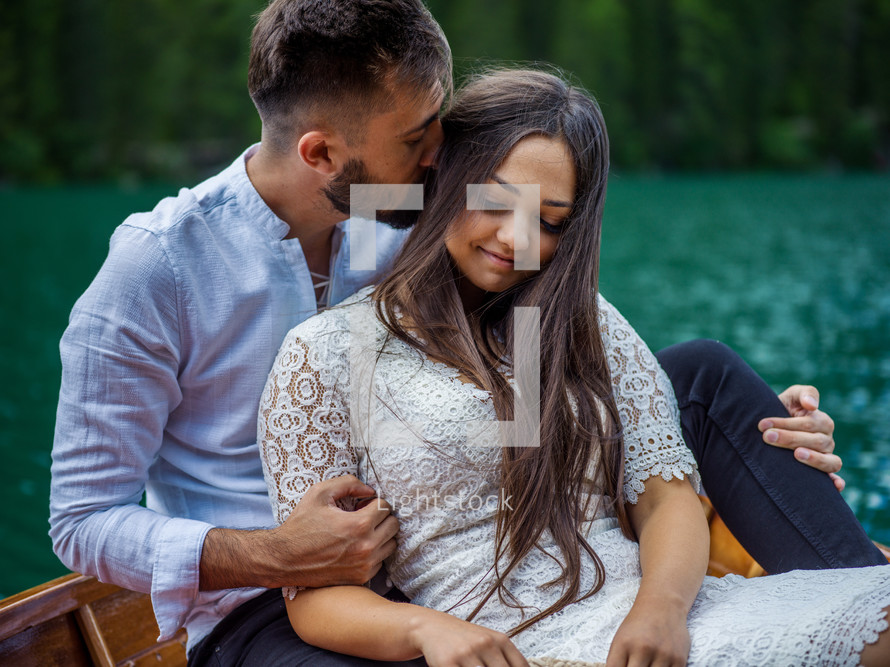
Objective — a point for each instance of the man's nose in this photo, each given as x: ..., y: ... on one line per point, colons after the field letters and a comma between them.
x: 432, y: 141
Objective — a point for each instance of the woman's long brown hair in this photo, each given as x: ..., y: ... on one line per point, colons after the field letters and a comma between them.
x: 548, y: 485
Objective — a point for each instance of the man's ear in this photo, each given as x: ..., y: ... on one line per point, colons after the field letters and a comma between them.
x: 322, y: 151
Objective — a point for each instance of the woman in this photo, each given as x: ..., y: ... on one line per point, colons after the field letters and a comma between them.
x: 534, y: 542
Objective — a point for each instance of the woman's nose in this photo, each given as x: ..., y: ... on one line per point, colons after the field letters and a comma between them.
x: 514, y: 231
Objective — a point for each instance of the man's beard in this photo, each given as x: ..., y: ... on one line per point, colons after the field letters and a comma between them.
x: 356, y: 172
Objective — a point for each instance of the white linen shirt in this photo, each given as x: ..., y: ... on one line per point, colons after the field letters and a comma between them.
x: 163, y: 364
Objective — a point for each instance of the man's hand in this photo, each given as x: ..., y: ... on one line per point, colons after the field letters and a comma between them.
x: 808, y: 431
x: 318, y: 545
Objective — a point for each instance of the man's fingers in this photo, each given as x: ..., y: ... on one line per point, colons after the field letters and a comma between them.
x: 814, y: 422
x: 378, y: 510
x: 343, y: 487
x: 789, y: 439
x: 839, y: 482
x: 386, y: 550
x: 809, y: 437
x: 374, y: 571
x: 824, y: 462
x: 806, y: 396
x: 800, y: 397
x: 810, y: 401
x: 388, y: 528
x: 382, y: 505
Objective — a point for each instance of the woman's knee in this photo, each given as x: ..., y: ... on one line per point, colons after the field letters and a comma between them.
x: 710, y: 373
x: 700, y: 362
x: 698, y: 351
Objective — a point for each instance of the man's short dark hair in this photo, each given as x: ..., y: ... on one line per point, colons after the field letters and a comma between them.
x: 342, y: 59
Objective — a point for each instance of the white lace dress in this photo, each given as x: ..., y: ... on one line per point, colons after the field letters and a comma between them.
x: 323, y: 415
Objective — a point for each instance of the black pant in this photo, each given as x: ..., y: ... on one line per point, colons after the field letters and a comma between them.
x: 259, y: 634
x: 787, y: 515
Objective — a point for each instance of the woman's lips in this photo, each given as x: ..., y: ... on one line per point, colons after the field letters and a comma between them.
x: 500, y: 260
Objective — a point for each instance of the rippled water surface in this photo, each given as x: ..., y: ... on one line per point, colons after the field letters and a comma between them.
x: 792, y: 271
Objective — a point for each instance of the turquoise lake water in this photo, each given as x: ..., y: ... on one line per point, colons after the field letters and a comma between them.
x: 793, y: 271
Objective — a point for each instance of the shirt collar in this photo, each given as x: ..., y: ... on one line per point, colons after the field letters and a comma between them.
x: 255, y: 209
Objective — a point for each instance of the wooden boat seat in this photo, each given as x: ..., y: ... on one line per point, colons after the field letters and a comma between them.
x: 76, y: 620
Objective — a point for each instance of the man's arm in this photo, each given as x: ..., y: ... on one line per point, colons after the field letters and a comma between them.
x: 120, y: 357
x: 318, y: 545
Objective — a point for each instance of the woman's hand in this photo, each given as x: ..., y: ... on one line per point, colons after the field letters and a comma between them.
x: 446, y: 641
x: 652, y: 634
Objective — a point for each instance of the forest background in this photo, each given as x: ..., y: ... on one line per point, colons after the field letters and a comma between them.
x: 155, y: 89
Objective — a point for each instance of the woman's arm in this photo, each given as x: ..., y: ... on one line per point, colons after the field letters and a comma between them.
x: 356, y: 621
x: 674, y: 541
x: 659, y: 476
x: 304, y: 437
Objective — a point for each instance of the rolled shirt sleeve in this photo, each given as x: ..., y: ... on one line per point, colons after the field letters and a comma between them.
x: 164, y: 362
x: 120, y: 359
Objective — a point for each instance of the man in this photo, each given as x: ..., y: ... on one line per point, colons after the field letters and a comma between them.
x: 167, y: 352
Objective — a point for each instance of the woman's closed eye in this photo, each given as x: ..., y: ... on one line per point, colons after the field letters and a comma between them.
x: 500, y: 208
x: 550, y: 227
x: 496, y: 206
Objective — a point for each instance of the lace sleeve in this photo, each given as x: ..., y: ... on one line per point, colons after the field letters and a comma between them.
x: 303, y: 422
x: 653, y: 444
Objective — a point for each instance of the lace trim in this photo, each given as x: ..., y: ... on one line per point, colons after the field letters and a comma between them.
x: 653, y: 443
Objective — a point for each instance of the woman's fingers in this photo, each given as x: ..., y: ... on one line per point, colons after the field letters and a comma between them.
x: 487, y: 660
x: 514, y: 657
x: 623, y: 658
x: 447, y: 641
x: 502, y: 654
x: 617, y: 656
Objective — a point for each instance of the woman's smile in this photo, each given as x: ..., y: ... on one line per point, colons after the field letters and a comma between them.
x: 497, y: 259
